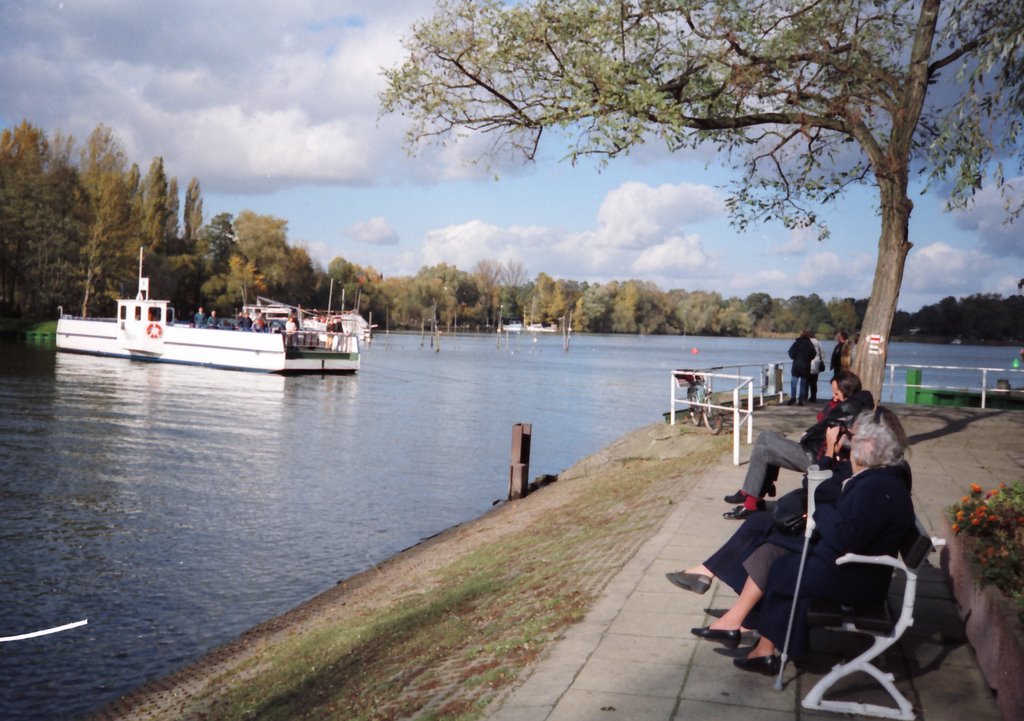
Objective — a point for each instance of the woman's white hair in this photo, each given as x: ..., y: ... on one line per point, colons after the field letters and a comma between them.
x: 878, y: 439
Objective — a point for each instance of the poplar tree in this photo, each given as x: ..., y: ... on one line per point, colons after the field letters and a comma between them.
x: 803, y: 97
x: 112, y: 239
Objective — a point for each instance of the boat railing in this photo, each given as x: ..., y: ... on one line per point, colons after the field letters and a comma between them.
x: 952, y: 379
x: 321, y: 340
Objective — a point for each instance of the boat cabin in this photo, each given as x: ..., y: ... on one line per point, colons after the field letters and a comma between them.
x: 141, y: 321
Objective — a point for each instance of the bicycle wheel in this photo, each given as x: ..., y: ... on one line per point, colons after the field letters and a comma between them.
x: 695, y: 410
x: 713, y: 419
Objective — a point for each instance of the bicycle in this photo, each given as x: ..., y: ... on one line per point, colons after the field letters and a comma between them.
x: 700, y: 400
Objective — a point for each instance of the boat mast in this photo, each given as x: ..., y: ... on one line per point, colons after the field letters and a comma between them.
x: 143, y: 293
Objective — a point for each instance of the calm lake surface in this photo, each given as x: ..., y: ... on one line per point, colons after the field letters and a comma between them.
x: 175, y: 507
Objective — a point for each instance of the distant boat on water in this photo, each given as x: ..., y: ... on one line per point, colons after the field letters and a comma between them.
x: 147, y: 330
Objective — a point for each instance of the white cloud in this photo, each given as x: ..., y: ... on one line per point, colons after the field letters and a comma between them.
x: 636, y: 215
x: 988, y: 218
x: 797, y: 242
x: 940, y: 269
x: 678, y: 254
x: 375, y: 231
x: 463, y: 245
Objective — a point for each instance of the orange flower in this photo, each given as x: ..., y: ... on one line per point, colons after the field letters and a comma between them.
x: 975, y: 488
x: 956, y: 527
x: 975, y: 521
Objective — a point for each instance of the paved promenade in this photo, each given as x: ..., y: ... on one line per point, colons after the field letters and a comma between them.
x: 634, y: 658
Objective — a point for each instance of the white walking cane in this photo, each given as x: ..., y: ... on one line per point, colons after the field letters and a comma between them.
x: 815, y: 477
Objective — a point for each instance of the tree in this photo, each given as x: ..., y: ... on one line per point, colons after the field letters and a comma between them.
x: 193, y: 216
x: 487, y: 273
x: 513, y: 277
x: 806, y: 98
x: 112, y: 238
x: 155, y: 211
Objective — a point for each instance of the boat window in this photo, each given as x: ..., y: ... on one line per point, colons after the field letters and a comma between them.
x: 154, y: 313
x: 170, y: 316
x: 138, y: 312
x: 124, y: 312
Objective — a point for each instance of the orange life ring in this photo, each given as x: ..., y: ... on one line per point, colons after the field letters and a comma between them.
x: 154, y: 331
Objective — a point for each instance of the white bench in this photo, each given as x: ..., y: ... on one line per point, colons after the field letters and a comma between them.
x: 874, y: 620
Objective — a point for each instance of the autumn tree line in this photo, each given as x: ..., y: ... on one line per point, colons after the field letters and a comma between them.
x: 73, y: 217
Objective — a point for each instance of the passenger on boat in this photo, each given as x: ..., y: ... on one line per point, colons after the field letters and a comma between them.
x: 244, y: 321
x: 199, y: 320
x: 213, y: 321
x: 773, y: 451
x: 872, y: 517
x: 292, y: 324
x: 259, y: 324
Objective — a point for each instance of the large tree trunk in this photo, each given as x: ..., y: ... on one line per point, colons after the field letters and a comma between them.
x: 893, y: 245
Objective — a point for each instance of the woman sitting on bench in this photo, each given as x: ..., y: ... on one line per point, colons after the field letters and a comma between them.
x: 872, y: 516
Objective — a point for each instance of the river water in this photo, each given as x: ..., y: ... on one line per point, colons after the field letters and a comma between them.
x: 175, y: 507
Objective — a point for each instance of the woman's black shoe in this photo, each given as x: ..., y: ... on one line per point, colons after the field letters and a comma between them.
x: 728, y: 638
x: 740, y: 512
x: 768, y: 665
x: 696, y: 582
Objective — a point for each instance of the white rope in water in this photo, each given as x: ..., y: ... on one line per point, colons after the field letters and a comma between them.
x: 48, y: 631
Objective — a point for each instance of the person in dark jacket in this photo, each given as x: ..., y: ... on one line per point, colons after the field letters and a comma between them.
x: 803, y: 354
x: 773, y: 451
x: 872, y: 516
x: 840, y: 354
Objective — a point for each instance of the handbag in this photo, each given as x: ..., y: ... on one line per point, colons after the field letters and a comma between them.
x: 821, y: 366
x: 790, y: 512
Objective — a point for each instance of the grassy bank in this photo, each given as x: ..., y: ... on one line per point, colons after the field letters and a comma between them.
x: 442, y: 630
x: 21, y: 327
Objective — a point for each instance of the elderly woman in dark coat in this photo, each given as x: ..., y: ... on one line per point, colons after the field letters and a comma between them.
x: 872, y: 516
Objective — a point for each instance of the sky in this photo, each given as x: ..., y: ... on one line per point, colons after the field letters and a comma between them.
x: 273, y: 106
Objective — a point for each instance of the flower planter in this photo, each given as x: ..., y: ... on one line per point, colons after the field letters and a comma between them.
x: 992, y: 627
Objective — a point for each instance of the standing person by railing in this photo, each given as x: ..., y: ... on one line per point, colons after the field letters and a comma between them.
x: 817, y: 366
x: 802, y: 353
x: 840, y: 360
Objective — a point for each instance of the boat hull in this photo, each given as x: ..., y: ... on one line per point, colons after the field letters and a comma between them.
x: 302, y: 352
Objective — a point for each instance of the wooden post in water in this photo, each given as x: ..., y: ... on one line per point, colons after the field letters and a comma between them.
x: 519, y: 467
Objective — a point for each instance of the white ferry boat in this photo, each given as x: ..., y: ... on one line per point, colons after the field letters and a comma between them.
x: 147, y: 330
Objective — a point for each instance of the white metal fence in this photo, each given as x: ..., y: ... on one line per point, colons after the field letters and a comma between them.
x: 954, y: 378
x: 740, y: 416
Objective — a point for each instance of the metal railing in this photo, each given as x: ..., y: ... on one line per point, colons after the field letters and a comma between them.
x: 740, y: 417
x: 960, y: 375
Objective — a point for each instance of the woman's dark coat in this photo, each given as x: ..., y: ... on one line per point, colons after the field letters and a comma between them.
x: 873, y: 516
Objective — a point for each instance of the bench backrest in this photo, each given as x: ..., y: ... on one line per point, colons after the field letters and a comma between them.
x: 916, y: 546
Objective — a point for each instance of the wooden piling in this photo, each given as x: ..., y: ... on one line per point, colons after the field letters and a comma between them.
x: 519, y: 465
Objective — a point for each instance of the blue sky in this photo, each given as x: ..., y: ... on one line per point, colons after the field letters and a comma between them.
x: 273, y: 107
